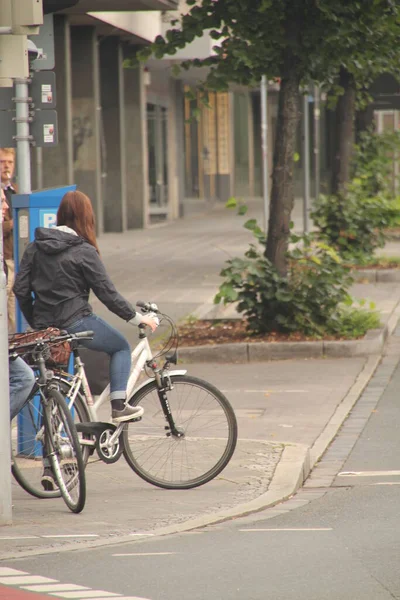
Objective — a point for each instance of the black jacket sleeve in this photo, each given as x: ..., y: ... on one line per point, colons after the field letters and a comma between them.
x: 98, y: 280
x: 22, y: 285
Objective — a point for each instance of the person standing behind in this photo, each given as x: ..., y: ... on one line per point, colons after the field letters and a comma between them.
x: 21, y: 376
x: 7, y: 167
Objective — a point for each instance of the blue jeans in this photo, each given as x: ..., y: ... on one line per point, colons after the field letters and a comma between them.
x: 112, y: 342
x: 21, y: 380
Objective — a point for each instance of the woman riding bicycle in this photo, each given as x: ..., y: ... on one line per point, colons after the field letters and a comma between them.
x: 60, y: 268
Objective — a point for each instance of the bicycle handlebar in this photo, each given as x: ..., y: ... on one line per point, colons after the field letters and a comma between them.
x: 82, y: 334
x: 147, y: 306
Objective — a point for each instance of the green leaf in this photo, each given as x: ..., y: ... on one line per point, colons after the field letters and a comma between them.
x: 231, y: 203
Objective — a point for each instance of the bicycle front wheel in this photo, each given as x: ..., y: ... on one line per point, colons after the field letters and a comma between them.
x: 63, y: 451
x: 27, y: 449
x: 203, y: 442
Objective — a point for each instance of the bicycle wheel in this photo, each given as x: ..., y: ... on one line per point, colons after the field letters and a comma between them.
x: 27, y: 449
x: 208, y: 429
x: 80, y: 415
x: 64, y: 451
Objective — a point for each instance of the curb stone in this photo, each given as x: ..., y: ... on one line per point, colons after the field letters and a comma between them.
x: 376, y: 275
x: 371, y: 344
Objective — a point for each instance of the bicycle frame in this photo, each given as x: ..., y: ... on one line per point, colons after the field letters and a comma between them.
x: 141, y: 355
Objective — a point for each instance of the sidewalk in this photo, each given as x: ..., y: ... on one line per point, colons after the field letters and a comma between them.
x: 288, y: 410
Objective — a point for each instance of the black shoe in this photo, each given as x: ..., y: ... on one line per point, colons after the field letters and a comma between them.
x: 128, y: 413
x: 49, y: 484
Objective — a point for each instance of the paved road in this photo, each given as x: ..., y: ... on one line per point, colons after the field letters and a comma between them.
x: 337, y: 539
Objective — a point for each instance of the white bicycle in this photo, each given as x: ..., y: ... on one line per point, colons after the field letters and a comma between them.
x: 187, y: 434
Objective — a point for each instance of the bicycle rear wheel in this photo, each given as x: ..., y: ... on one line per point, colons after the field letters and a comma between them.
x: 207, y: 427
x: 27, y: 449
x: 64, y: 451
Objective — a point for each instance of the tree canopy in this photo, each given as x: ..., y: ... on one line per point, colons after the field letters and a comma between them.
x: 299, y: 42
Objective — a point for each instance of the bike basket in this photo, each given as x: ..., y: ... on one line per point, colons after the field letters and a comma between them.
x: 59, y: 351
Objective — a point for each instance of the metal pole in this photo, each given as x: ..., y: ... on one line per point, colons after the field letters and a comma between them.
x: 23, y: 137
x: 39, y: 168
x: 306, y: 163
x: 317, y: 143
x: 264, y: 146
x: 5, y: 450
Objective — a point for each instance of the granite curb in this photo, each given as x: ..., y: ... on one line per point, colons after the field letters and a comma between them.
x: 371, y: 344
x: 376, y: 275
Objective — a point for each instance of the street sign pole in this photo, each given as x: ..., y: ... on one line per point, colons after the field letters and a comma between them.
x: 264, y: 144
x: 306, y: 163
x: 23, y: 137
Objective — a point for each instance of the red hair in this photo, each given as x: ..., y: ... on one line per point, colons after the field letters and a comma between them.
x: 76, y: 211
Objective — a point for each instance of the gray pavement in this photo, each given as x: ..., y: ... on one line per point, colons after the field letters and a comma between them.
x: 288, y: 411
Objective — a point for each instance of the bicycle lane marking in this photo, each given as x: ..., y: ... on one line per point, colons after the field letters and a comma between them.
x: 36, y: 583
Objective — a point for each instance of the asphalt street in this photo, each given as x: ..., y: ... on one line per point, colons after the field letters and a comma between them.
x: 334, y: 542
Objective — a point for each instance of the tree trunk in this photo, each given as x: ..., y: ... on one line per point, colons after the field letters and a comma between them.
x: 281, y: 202
x: 344, y: 133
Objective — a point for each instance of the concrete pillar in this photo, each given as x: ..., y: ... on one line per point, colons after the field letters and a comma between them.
x: 57, y: 168
x: 113, y: 125
x: 175, y: 149
x: 136, y: 169
x: 224, y: 146
x: 85, y: 116
x: 179, y: 103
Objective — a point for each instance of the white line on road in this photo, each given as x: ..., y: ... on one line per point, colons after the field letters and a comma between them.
x: 368, y: 473
x: 86, y: 594
x: 386, y: 483
x: 292, y: 529
x: 54, y: 587
x: 265, y: 391
x: 72, y: 535
x: 25, y: 580
x: 146, y: 554
x: 7, y: 571
x: 19, y: 537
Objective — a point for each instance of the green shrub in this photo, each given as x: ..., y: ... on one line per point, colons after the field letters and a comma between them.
x: 313, y: 299
x: 354, y: 225
x: 354, y: 322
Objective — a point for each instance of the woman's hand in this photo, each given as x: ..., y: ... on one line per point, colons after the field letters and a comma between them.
x: 151, y: 320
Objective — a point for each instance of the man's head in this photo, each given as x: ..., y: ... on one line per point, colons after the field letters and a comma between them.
x: 7, y: 165
x: 4, y: 205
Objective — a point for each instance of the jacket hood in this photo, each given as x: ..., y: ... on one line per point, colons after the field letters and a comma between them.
x: 54, y: 240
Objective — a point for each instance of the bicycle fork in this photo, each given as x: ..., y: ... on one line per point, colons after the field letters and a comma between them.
x: 164, y: 385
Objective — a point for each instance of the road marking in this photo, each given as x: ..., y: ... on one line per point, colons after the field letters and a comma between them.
x: 265, y: 391
x: 14, y: 577
x: 146, y: 554
x: 368, y: 473
x: 86, y: 594
x: 148, y: 534
x: 72, y: 535
x: 292, y: 529
x: 54, y: 587
x: 25, y: 579
x: 7, y: 571
x: 386, y: 483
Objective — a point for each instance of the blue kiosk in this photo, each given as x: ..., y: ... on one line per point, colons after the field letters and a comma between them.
x: 38, y: 209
